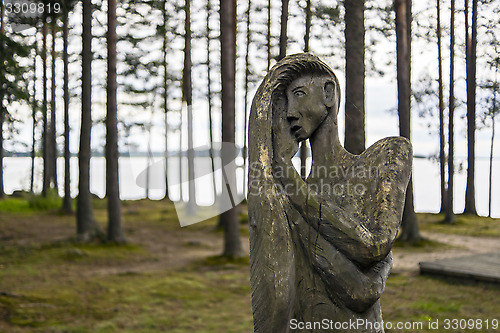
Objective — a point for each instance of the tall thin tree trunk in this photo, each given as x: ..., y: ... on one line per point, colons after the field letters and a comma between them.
x: 283, y: 34
x: 490, y: 177
x: 33, y: 117
x: 66, y: 207
x: 450, y: 215
x: 229, y: 219
x: 355, y: 76
x: 247, y: 78
x: 410, y: 231
x: 209, y: 100
x: 493, y: 112
x: 165, y: 93
x: 442, y: 155
x: 45, y: 134
x: 52, y: 122
x: 2, y: 110
x: 268, y: 37
x: 470, y: 56
x: 115, y: 230
x: 86, y: 226
x: 187, y: 98
x: 304, y: 150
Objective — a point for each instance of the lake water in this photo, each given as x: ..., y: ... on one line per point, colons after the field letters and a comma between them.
x: 425, y: 178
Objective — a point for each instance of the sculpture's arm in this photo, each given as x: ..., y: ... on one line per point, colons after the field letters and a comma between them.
x: 357, y: 242
x: 356, y: 289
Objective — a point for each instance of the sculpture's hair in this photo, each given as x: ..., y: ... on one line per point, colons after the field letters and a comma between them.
x: 308, y: 65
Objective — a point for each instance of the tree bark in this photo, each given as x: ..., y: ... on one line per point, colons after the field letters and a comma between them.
x: 450, y: 215
x: 115, y: 230
x: 355, y: 76
x: 283, y: 34
x: 165, y: 93
x: 209, y: 100
x: 410, y: 231
x: 491, y: 160
x: 33, y: 117
x: 2, y: 110
x: 66, y: 207
x: 45, y: 134
x: 52, y: 122
x: 86, y: 225
x: 229, y: 219
x: 304, y: 149
x: 268, y: 37
x: 470, y: 56
x: 247, y: 80
x: 442, y: 155
x: 187, y: 98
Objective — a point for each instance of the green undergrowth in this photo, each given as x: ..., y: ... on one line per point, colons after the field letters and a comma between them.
x: 426, y: 298
x: 423, y: 245
x: 65, y: 286
x: 466, y: 225
x: 174, y: 302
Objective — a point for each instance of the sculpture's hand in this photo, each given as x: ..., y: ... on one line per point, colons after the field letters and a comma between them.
x: 285, y: 145
x: 358, y: 289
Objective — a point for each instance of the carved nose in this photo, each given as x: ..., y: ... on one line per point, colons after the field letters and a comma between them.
x: 292, y: 113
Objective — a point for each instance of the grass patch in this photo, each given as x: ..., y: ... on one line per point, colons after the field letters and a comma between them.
x: 464, y: 225
x: 64, y: 286
x: 423, y: 299
x: 424, y: 245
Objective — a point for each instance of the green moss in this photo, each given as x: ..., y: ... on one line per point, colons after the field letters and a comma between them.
x: 14, y: 205
x: 466, y: 225
x: 425, y: 245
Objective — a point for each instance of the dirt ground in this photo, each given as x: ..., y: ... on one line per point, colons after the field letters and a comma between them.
x: 407, y: 261
x: 174, y: 247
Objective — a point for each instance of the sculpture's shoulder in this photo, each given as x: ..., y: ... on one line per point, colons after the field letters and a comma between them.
x: 395, y: 149
x: 392, y: 157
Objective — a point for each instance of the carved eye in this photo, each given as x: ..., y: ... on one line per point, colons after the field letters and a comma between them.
x: 299, y: 93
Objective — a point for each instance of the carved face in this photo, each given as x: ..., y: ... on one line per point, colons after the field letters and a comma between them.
x: 307, y: 105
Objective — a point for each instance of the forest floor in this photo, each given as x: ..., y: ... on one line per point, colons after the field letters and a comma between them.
x: 171, y: 279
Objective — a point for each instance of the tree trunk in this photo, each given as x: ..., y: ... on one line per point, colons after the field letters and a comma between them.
x: 491, y: 160
x: 86, y: 225
x: 284, y: 24
x: 188, y: 100
x: 247, y: 80
x: 450, y: 215
x: 52, y: 122
x: 2, y: 110
x: 45, y: 134
x: 304, y: 149
x: 409, y: 226
x: 165, y: 93
x: 268, y: 37
x: 355, y: 76
x: 33, y: 117
x: 209, y: 100
x: 66, y: 207
x: 115, y: 231
x: 493, y: 112
x: 470, y: 56
x: 229, y: 219
x: 442, y: 155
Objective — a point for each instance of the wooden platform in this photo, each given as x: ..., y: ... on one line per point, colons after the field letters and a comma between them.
x: 481, y: 267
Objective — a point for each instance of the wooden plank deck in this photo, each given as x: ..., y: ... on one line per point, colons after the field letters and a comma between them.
x: 481, y: 267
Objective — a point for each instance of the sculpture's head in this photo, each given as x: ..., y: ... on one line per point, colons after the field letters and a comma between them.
x: 308, y: 92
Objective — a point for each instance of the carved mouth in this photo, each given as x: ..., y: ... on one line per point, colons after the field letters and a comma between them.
x: 295, y: 128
